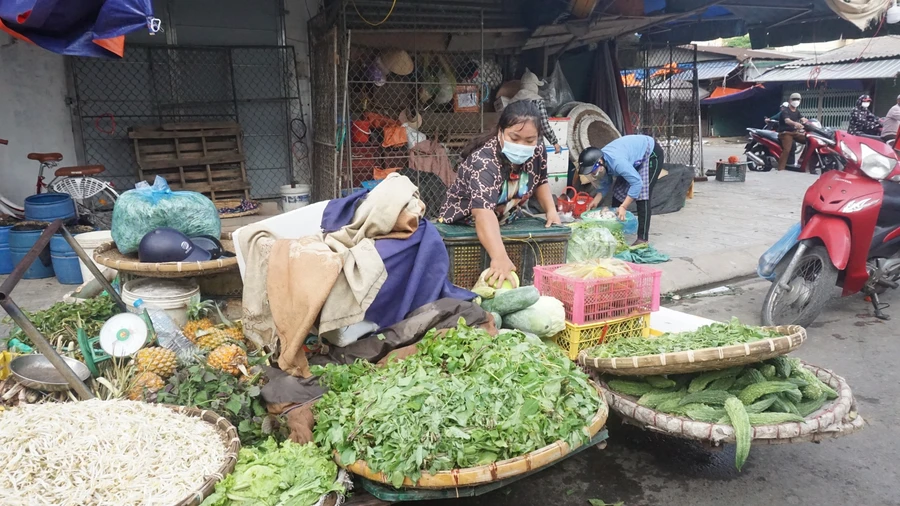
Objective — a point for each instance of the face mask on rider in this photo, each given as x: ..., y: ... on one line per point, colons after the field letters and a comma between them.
x: 866, y: 105
x: 795, y: 103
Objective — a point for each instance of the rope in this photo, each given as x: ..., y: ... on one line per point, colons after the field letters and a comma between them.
x: 112, y: 124
x: 366, y: 21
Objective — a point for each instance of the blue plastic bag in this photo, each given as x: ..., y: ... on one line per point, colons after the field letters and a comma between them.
x: 146, y: 208
x: 772, y: 257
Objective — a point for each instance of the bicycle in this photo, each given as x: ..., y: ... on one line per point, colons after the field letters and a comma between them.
x: 94, y: 199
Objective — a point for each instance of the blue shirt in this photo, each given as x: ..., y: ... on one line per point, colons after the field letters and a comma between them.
x: 622, y: 158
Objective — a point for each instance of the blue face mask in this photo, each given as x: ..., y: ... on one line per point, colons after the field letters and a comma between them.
x: 518, y: 153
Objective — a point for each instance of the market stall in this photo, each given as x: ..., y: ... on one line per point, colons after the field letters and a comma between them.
x: 378, y: 375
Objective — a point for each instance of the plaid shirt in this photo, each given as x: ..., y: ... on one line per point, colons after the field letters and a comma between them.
x: 548, y: 132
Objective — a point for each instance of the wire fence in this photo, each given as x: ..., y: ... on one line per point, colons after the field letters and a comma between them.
x: 254, y: 86
x: 663, y: 99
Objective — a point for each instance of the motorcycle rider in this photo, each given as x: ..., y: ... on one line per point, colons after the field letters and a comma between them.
x: 892, y: 120
x: 775, y: 118
x: 862, y: 120
x: 790, y: 124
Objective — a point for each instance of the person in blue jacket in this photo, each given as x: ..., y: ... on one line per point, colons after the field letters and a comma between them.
x: 630, y: 165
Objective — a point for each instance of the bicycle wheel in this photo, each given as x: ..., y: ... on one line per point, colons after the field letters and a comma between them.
x: 98, y: 208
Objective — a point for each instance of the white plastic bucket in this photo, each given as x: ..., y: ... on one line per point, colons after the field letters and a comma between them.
x: 89, y: 242
x: 294, y: 198
x: 171, y: 295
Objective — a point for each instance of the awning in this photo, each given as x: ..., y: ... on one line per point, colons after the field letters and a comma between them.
x: 722, y: 95
x: 707, y: 70
x: 630, y: 81
x: 877, y: 69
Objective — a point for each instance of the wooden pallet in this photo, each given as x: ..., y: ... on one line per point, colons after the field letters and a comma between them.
x: 203, y: 157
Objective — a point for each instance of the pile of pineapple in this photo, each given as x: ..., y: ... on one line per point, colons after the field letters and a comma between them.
x: 220, y: 341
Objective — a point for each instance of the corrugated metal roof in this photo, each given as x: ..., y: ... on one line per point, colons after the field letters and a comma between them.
x: 879, y: 69
x: 707, y: 70
x: 877, y: 48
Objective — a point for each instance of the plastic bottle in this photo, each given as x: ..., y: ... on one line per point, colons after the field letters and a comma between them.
x: 167, y: 332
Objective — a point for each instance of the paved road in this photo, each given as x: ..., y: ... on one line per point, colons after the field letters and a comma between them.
x: 645, y: 470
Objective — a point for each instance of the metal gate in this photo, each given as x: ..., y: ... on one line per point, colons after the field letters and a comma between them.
x: 448, y: 88
x: 254, y: 86
x: 663, y: 99
x: 832, y: 107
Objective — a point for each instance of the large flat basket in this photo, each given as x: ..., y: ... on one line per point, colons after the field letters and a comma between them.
x: 707, y: 359
x: 496, y: 471
x: 109, y: 256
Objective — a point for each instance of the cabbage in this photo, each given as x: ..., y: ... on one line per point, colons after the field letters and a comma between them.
x: 545, y: 318
x: 590, y: 240
x: 269, y: 475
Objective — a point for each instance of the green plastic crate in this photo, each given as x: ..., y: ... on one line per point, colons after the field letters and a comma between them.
x: 528, y: 243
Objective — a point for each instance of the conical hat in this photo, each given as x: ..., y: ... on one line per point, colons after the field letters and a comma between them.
x: 397, y: 61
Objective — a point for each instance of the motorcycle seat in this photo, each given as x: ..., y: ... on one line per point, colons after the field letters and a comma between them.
x: 769, y: 134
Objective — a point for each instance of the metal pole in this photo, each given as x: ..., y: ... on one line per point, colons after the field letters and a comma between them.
x: 89, y: 262
x: 481, y: 72
x: 37, y: 338
x: 13, y: 310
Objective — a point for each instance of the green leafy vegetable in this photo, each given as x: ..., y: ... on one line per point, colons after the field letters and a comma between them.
x: 273, y: 475
x: 463, y: 400
x: 709, y: 336
x: 238, y: 400
x: 59, y: 322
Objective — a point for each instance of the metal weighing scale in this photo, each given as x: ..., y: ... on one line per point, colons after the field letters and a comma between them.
x: 121, y: 336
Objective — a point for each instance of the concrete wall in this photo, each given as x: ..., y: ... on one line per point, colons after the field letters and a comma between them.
x: 33, y: 114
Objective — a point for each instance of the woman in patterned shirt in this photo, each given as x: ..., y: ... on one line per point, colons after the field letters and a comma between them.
x: 500, y: 170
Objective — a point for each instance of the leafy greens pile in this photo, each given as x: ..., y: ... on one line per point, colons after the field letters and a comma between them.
x: 60, y: 320
x: 463, y: 400
x: 709, y: 336
x: 273, y: 475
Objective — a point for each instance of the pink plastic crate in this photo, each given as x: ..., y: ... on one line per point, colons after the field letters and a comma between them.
x: 596, y: 300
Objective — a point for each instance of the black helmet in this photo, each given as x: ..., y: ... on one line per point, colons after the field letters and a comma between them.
x: 588, y: 158
x: 169, y: 245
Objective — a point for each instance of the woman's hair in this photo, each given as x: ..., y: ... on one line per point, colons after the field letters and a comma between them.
x: 516, y: 113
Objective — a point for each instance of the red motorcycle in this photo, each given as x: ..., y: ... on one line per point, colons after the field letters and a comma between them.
x: 849, y: 235
x: 763, y: 150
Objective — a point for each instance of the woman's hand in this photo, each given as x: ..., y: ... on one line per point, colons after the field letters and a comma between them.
x: 595, y: 202
x: 552, y: 218
x: 620, y: 212
x: 500, y: 271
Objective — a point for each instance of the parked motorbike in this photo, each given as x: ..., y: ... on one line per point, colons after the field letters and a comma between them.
x: 764, y: 149
x: 849, y: 235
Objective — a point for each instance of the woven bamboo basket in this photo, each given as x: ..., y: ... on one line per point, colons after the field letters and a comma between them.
x: 109, y: 256
x: 228, y: 203
x: 707, y: 359
x: 229, y: 437
x: 835, y: 419
x: 496, y: 471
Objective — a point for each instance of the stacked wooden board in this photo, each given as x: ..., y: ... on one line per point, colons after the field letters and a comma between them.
x: 203, y: 157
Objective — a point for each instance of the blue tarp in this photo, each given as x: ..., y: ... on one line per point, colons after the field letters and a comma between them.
x: 75, y: 27
x: 417, y: 267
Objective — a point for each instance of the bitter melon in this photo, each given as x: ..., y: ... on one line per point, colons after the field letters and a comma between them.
x: 715, y: 397
x: 809, y: 407
x: 783, y: 366
x: 783, y: 405
x: 760, y: 406
x: 633, y: 388
x: 723, y: 383
x: 660, y: 382
x: 702, y: 381
x: 654, y: 398
x: 768, y: 371
x: 740, y: 421
x: 750, y: 394
x: 703, y: 413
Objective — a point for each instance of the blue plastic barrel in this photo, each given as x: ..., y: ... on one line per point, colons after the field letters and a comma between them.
x: 65, y: 261
x: 49, y: 207
x: 6, y: 261
x: 21, y: 238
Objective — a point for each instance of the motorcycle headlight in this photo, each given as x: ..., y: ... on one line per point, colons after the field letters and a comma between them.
x: 875, y: 165
x: 848, y: 153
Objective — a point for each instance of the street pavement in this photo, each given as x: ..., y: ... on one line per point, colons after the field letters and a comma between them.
x: 721, y: 232
x: 643, y: 469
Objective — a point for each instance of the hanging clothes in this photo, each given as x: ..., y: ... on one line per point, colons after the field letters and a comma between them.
x: 430, y: 156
